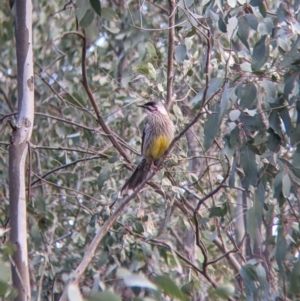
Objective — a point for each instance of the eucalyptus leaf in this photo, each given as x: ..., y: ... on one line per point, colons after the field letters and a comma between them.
x: 87, y: 18
x: 211, y: 127
x: 151, y: 49
x: 243, y: 31
x: 104, y: 296
x: 232, y: 27
x: 138, y: 281
x: 247, y: 94
x: 265, y: 26
x: 169, y: 287
x: 180, y: 52
x: 252, y: 21
x: 260, y: 53
x: 286, y: 185
x: 281, y: 248
x: 96, y: 5
x: 104, y: 175
x: 255, y: 2
x: 295, y: 276
x: 249, y: 164
x: 109, y: 14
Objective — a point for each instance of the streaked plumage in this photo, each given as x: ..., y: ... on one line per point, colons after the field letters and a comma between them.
x: 157, y: 136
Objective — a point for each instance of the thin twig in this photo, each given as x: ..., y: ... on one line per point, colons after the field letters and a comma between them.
x: 66, y: 166
x: 182, y: 257
x: 86, y: 86
x: 170, y: 75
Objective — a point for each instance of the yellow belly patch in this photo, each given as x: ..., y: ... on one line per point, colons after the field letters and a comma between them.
x: 158, y: 147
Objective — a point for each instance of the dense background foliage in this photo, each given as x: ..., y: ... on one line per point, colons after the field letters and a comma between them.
x: 221, y: 218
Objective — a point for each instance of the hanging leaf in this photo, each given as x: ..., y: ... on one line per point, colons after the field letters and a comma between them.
x: 262, y: 278
x: 295, y: 278
x: 260, y: 54
x: 180, y: 53
x: 249, y: 164
x: 281, y: 248
x: 222, y: 25
x: 247, y: 95
x: 103, y: 296
x: 211, y: 127
x: 224, y: 101
x: 285, y: 117
x: 169, y: 287
x: 109, y: 14
x: 152, y: 71
x: 151, y: 49
x: 87, y: 19
x: 96, y: 5
x: 275, y: 122
x: 243, y: 31
x: 232, y: 26
x: 265, y: 26
x: 104, y: 175
x: 255, y: 2
x: 286, y: 185
x: 274, y: 141
x: 252, y: 21
x: 263, y: 9
x: 138, y: 281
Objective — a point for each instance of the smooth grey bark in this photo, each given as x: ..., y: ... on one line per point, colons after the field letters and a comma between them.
x: 18, y: 149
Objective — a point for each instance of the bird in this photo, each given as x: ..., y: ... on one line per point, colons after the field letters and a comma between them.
x: 158, y: 134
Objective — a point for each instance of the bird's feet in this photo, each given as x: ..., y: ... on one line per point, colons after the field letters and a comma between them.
x: 153, y: 167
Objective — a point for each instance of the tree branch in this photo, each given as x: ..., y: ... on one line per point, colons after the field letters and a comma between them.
x: 90, y: 252
x: 86, y: 86
x: 170, y: 75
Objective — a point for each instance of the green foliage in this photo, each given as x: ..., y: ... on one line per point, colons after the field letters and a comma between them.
x: 235, y: 64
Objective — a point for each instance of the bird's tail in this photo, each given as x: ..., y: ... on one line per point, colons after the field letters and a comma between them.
x: 137, y: 177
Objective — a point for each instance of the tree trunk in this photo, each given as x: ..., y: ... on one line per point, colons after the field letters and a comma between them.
x: 18, y: 149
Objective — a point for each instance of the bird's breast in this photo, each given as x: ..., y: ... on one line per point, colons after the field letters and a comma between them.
x: 158, y: 147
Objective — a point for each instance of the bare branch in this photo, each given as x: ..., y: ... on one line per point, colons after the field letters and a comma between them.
x: 170, y: 75
x: 86, y: 86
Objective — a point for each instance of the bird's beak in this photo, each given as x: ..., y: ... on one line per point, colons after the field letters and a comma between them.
x: 142, y: 106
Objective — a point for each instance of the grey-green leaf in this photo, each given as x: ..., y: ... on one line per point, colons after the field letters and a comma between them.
x: 104, y: 175
x: 265, y: 26
x: 281, y: 248
x: 255, y: 2
x: 169, y: 287
x: 286, y: 185
x: 151, y: 49
x: 109, y: 14
x: 249, y: 164
x: 247, y: 95
x: 211, y: 127
x: 260, y: 54
x: 295, y: 276
x: 96, y: 5
x: 180, y: 53
x: 252, y: 21
x: 87, y: 18
x: 243, y: 31
x: 104, y: 296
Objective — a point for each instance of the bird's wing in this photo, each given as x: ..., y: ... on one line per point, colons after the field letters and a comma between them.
x: 143, y: 139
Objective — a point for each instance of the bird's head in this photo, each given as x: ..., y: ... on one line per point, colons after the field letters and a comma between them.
x: 154, y: 108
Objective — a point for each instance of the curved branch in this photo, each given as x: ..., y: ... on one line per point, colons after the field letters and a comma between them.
x: 86, y: 86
